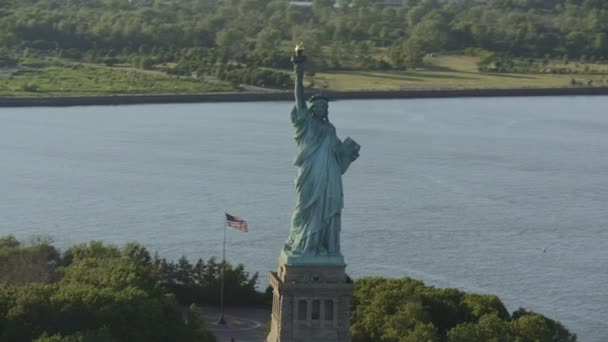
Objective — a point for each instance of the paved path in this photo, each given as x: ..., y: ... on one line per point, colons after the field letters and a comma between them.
x: 243, y: 324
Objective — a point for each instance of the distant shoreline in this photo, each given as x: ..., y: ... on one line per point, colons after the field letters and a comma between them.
x: 130, y: 99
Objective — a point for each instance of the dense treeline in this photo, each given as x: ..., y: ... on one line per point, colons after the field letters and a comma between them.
x: 405, y: 310
x: 199, y: 34
x: 99, y: 292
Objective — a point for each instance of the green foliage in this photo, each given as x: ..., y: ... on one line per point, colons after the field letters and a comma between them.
x: 30, y: 87
x: 387, y: 310
x: 504, y: 63
x: 480, y: 305
x: 257, y: 76
x: 92, y: 250
x: 148, y: 33
x: 6, y: 58
x: 200, y: 283
x: 95, y: 292
x: 8, y: 242
x: 24, y: 264
x: 487, y: 328
x: 59, y: 77
x: 196, y: 323
x: 101, y: 335
x: 82, y: 47
x: 529, y: 327
x: 558, y: 331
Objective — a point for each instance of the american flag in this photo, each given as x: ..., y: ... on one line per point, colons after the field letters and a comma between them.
x: 236, y: 222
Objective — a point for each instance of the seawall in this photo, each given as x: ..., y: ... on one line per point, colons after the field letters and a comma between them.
x: 96, y: 100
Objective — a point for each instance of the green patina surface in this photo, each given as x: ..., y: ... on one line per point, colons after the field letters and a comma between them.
x: 321, y: 159
x: 296, y: 260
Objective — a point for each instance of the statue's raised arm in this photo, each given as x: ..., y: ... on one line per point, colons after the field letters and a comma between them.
x: 298, y: 60
x: 321, y: 159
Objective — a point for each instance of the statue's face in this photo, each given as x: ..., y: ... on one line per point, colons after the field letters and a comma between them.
x: 319, y: 109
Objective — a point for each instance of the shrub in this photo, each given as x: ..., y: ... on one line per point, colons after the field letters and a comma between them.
x: 30, y: 87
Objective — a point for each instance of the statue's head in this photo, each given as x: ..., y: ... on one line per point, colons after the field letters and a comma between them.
x: 319, y: 105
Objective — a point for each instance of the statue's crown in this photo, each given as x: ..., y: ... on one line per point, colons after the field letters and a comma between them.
x: 317, y: 97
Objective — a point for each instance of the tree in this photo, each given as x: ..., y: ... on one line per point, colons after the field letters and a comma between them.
x: 26, y: 264
x: 196, y: 323
x: 478, y: 306
x: 268, y: 39
x: 230, y: 42
x: 489, y: 328
x: 8, y: 242
x: 397, y: 55
x: 101, y: 335
x: 600, y: 43
x: 102, y: 294
x: 388, y: 310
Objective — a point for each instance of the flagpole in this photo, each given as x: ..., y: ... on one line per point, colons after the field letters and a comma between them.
x: 222, y: 320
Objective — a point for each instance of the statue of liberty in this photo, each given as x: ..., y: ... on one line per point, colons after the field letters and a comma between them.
x: 321, y: 160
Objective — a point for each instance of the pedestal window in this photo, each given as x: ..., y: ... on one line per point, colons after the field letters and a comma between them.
x: 316, y: 310
x: 329, y: 310
x: 302, y: 310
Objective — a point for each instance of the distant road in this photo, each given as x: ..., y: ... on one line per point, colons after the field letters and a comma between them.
x: 65, y: 101
x: 243, y: 324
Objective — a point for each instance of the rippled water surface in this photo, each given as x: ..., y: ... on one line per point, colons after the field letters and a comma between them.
x: 496, y: 195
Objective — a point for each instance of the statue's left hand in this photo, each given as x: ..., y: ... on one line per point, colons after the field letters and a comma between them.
x: 346, y: 153
x: 354, y: 149
x: 355, y: 153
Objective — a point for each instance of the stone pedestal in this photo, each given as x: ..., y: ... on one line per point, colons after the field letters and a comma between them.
x: 311, y: 303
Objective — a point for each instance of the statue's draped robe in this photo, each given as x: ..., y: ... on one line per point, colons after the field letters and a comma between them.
x: 315, y: 224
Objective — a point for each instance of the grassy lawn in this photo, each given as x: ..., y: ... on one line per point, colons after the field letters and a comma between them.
x: 450, y: 72
x: 59, y: 77
x: 43, y: 78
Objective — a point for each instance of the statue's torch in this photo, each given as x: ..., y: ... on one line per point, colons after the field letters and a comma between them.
x: 298, y: 56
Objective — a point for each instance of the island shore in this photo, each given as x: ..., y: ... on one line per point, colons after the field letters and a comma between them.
x: 133, y: 99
